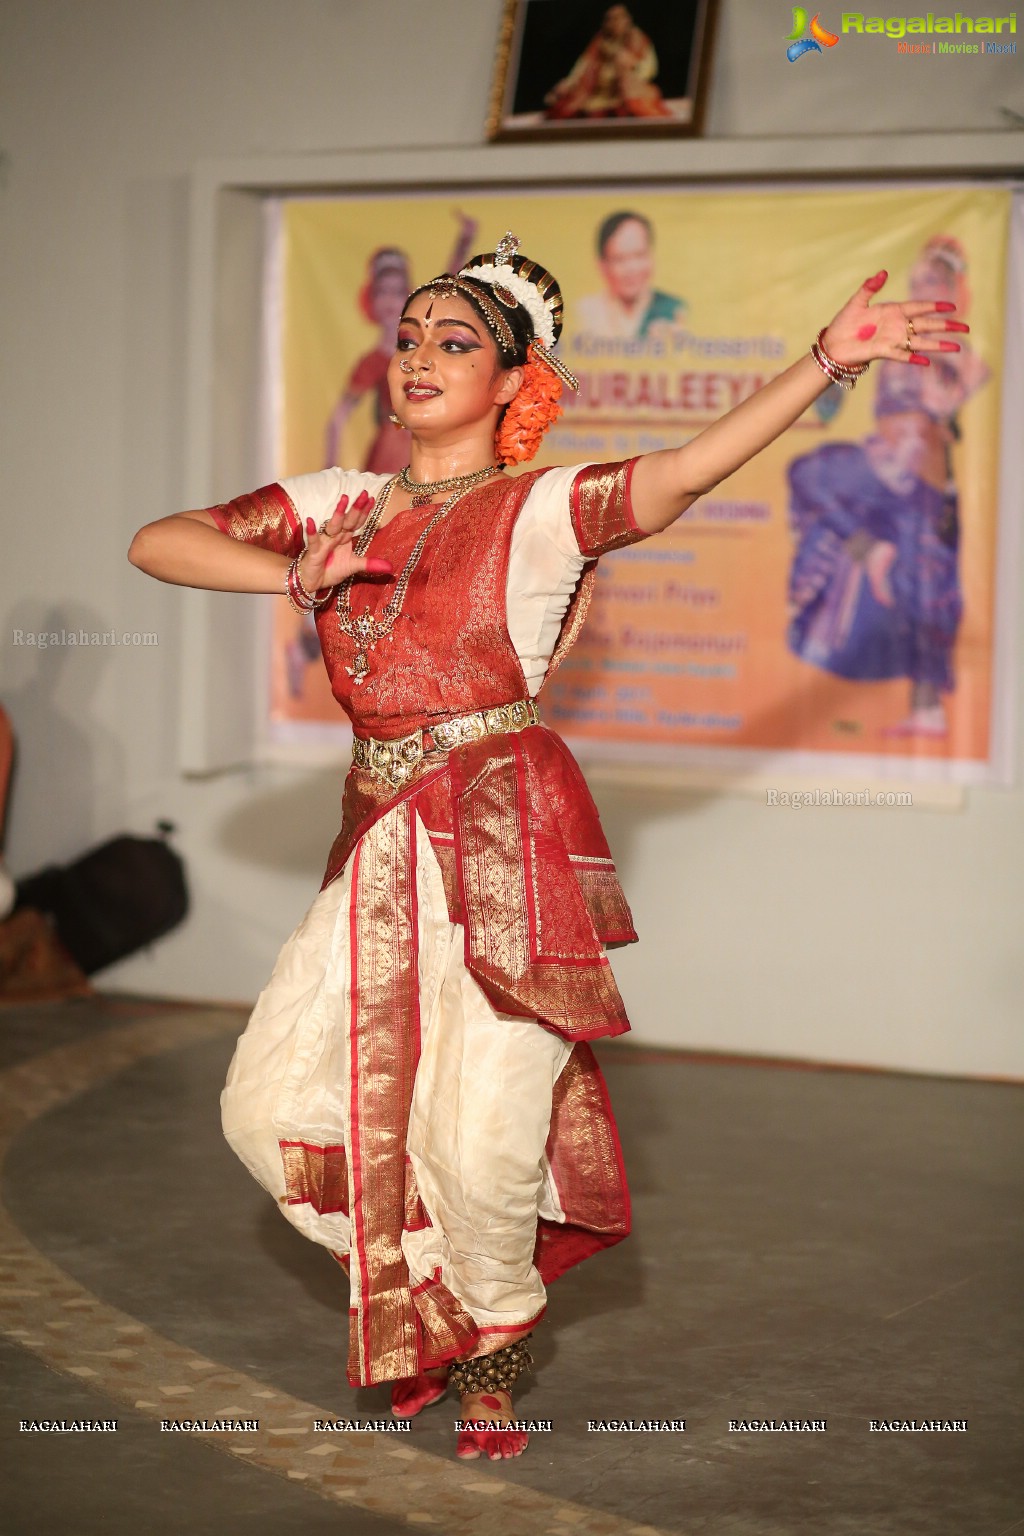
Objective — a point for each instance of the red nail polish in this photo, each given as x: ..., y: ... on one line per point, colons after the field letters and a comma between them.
x: 310, y: 525
x: 944, y: 306
x: 949, y: 346
x: 379, y: 567
x: 917, y: 357
x: 956, y: 325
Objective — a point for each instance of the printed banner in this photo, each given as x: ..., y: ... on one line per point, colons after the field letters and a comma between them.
x: 834, y: 600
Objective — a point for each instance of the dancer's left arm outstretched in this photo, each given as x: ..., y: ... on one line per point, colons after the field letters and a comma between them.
x: 667, y: 482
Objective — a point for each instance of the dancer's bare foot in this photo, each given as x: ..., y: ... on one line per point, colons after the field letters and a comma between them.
x: 411, y: 1394
x: 495, y: 1407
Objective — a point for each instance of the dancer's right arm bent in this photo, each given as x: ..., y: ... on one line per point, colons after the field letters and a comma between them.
x: 188, y: 549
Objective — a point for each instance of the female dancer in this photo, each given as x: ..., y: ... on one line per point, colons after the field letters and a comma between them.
x: 875, y: 583
x: 415, y: 1086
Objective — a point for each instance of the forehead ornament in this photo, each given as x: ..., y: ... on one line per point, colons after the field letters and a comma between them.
x: 453, y: 287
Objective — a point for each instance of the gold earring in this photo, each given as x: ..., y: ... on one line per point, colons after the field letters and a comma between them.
x: 396, y: 421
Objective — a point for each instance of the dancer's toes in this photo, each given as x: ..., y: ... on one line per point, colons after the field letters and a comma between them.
x: 468, y: 1446
x: 507, y: 1444
x: 487, y: 1415
x: 498, y: 1444
x: 411, y: 1394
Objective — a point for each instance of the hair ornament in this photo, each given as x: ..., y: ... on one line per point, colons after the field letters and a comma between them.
x: 506, y: 248
x: 519, y: 291
x: 517, y: 281
x: 555, y: 364
x: 946, y: 248
x: 388, y: 259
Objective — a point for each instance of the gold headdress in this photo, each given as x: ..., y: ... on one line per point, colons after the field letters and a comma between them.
x: 515, y: 281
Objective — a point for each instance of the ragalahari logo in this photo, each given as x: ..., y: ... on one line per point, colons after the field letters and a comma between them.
x: 799, y: 44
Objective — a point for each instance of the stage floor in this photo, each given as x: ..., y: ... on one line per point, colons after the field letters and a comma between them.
x: 807, y: 1245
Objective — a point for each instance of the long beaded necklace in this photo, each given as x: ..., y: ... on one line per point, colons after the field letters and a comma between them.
x: 367, y: 628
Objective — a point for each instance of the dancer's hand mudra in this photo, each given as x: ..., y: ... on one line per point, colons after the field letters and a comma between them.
x: 329, y: 556
x: 863, y: 332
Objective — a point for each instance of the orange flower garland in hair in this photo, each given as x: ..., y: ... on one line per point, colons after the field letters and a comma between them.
x: 529, y: 414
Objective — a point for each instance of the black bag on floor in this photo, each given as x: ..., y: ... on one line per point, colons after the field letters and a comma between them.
x: 113, y: 900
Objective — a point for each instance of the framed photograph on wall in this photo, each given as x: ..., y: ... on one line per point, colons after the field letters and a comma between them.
x: 584, y: 68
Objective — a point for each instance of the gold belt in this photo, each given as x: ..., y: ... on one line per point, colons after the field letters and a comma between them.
x: 394, y: 761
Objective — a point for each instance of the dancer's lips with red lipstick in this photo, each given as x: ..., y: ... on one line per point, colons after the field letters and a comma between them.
x: 421, y: 391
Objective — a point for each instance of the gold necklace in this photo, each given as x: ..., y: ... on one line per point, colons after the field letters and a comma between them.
x: 366, y: 628
x: 423, y: 491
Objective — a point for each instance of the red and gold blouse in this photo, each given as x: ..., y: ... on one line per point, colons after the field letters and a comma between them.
x: 527, y: 869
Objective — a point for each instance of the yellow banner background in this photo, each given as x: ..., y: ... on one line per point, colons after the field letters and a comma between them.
x: 686, y: 644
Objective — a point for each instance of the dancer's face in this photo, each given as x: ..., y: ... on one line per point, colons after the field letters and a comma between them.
x: 628, y: 261
x: 461, y: 376
x: 387, y: 299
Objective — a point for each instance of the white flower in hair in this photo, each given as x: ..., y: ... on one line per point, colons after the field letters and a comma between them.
x: 503, y: 275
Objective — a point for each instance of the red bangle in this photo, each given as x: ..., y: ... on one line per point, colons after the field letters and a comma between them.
x: 843, y: 374
x: 301, y: 600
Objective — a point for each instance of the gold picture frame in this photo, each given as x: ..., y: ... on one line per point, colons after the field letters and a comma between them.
x: 585, y: 69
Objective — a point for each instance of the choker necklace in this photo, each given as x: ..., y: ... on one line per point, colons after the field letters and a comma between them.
x: 366, y: 628
x: 423, y: 491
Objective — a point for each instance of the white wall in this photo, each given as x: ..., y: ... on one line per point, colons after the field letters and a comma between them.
x: 880, y: 938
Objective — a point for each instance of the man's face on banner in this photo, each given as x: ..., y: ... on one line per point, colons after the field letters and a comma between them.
x: 628, y: 261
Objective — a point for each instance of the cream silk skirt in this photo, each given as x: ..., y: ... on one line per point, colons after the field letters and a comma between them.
x: 481, y: 1102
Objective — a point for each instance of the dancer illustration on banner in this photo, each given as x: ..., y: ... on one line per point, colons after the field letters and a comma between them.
x: 388, y: 280
x: 613, y: 77
x: 630, y: 307
x: 874, y: 585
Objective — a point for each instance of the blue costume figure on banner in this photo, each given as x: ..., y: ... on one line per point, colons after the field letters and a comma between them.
x: 874, y: 587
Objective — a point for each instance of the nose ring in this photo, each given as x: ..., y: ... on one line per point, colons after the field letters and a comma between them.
x: 408, y: 368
